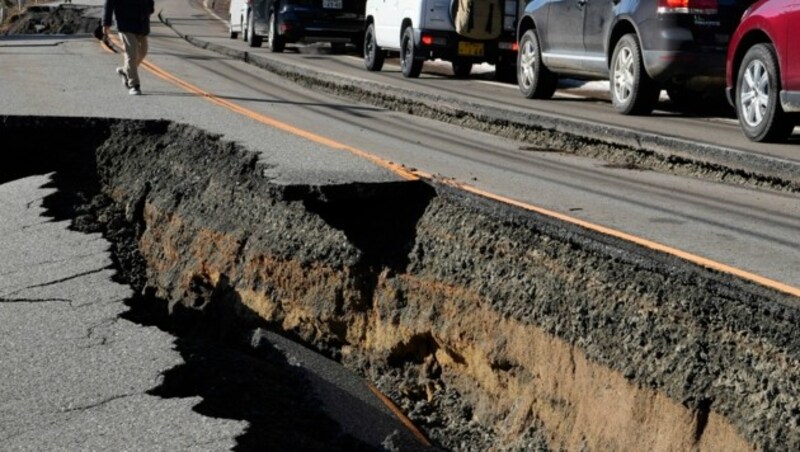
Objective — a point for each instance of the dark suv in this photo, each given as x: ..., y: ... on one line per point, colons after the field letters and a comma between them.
x: 289, y: 21
x: 641, y: 46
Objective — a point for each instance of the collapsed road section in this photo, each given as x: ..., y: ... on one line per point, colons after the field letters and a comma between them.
x: 488, y: 325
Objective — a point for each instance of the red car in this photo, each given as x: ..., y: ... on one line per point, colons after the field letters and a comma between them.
x: 763, y: 70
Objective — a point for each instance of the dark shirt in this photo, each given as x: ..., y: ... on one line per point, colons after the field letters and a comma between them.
x: 133, y: 16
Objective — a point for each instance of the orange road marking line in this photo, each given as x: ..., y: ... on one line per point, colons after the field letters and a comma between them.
x: 399, y: 414
x: 400, y: 170
x: 414, y: 174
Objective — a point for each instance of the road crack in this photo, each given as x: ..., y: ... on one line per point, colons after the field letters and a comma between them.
x: 34, y: 300
x: 100, y: 403
x: 59, y: 281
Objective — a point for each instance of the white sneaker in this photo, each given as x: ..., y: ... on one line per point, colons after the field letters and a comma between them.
x: 123, y: 76
x: 135, y: 91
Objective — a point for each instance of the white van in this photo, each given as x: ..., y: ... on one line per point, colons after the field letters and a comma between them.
x: 464, y: 32
x: 239, y: 13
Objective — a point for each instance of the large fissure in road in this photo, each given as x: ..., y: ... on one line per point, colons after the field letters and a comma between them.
x: 489, y: 326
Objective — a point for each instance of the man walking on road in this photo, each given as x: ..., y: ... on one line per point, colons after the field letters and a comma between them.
x: 133, y: 24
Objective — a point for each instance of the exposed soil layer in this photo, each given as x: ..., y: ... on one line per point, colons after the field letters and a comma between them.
x: 489, y: 326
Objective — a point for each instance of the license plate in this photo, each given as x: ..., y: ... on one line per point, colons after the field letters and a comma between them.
x: 332, y: 4
x: 470, y: 48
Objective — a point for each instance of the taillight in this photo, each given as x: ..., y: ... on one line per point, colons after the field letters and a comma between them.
x: 687, y: 6
x: 429, y: 40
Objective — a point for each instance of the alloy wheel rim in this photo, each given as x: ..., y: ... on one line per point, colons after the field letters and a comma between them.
x: 754, y: 93
x: 623, y: 75
x: 527, y: 63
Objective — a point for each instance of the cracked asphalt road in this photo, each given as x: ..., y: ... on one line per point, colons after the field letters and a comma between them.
x: 75, y: 375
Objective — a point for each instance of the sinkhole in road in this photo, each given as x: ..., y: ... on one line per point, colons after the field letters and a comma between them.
x: 489, y: 326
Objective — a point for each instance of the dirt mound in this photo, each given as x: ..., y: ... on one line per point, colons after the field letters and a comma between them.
x: 60, y: 19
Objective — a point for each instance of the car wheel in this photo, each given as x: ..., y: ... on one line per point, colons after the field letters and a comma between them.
x: 633, y: 92
x: 275, y: 43
x: 253, y: 40
x: 534, y: 79
x: 410, y: 65
x: 373, y: 55
x: 232, y: 34
x: 757, y: 103
x: 461, y: 68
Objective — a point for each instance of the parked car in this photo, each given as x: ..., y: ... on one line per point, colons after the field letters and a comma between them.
x: 238, y: 13
x: 641, y: 46
x: 763, y: 70
x: 281, y: 22
x: 463, y: 32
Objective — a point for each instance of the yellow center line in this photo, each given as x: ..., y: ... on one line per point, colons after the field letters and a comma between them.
x: 415, y: 174
x: 399, y: 170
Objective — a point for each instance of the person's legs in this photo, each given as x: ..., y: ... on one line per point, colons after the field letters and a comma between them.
x: 130, y: 46
x: 143, y: 48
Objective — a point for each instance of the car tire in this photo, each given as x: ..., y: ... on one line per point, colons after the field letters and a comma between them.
x: 633, y: 92
x: 461, y: 68
x: 758, y: 106
x: 253, y: 40
x: 534, y: 79
x: 373, y: 54
x: 232, y: 34
x: 276, y: 44
x: 409, y: 63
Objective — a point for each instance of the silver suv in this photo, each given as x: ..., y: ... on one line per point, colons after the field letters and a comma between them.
x: 641, y: 46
